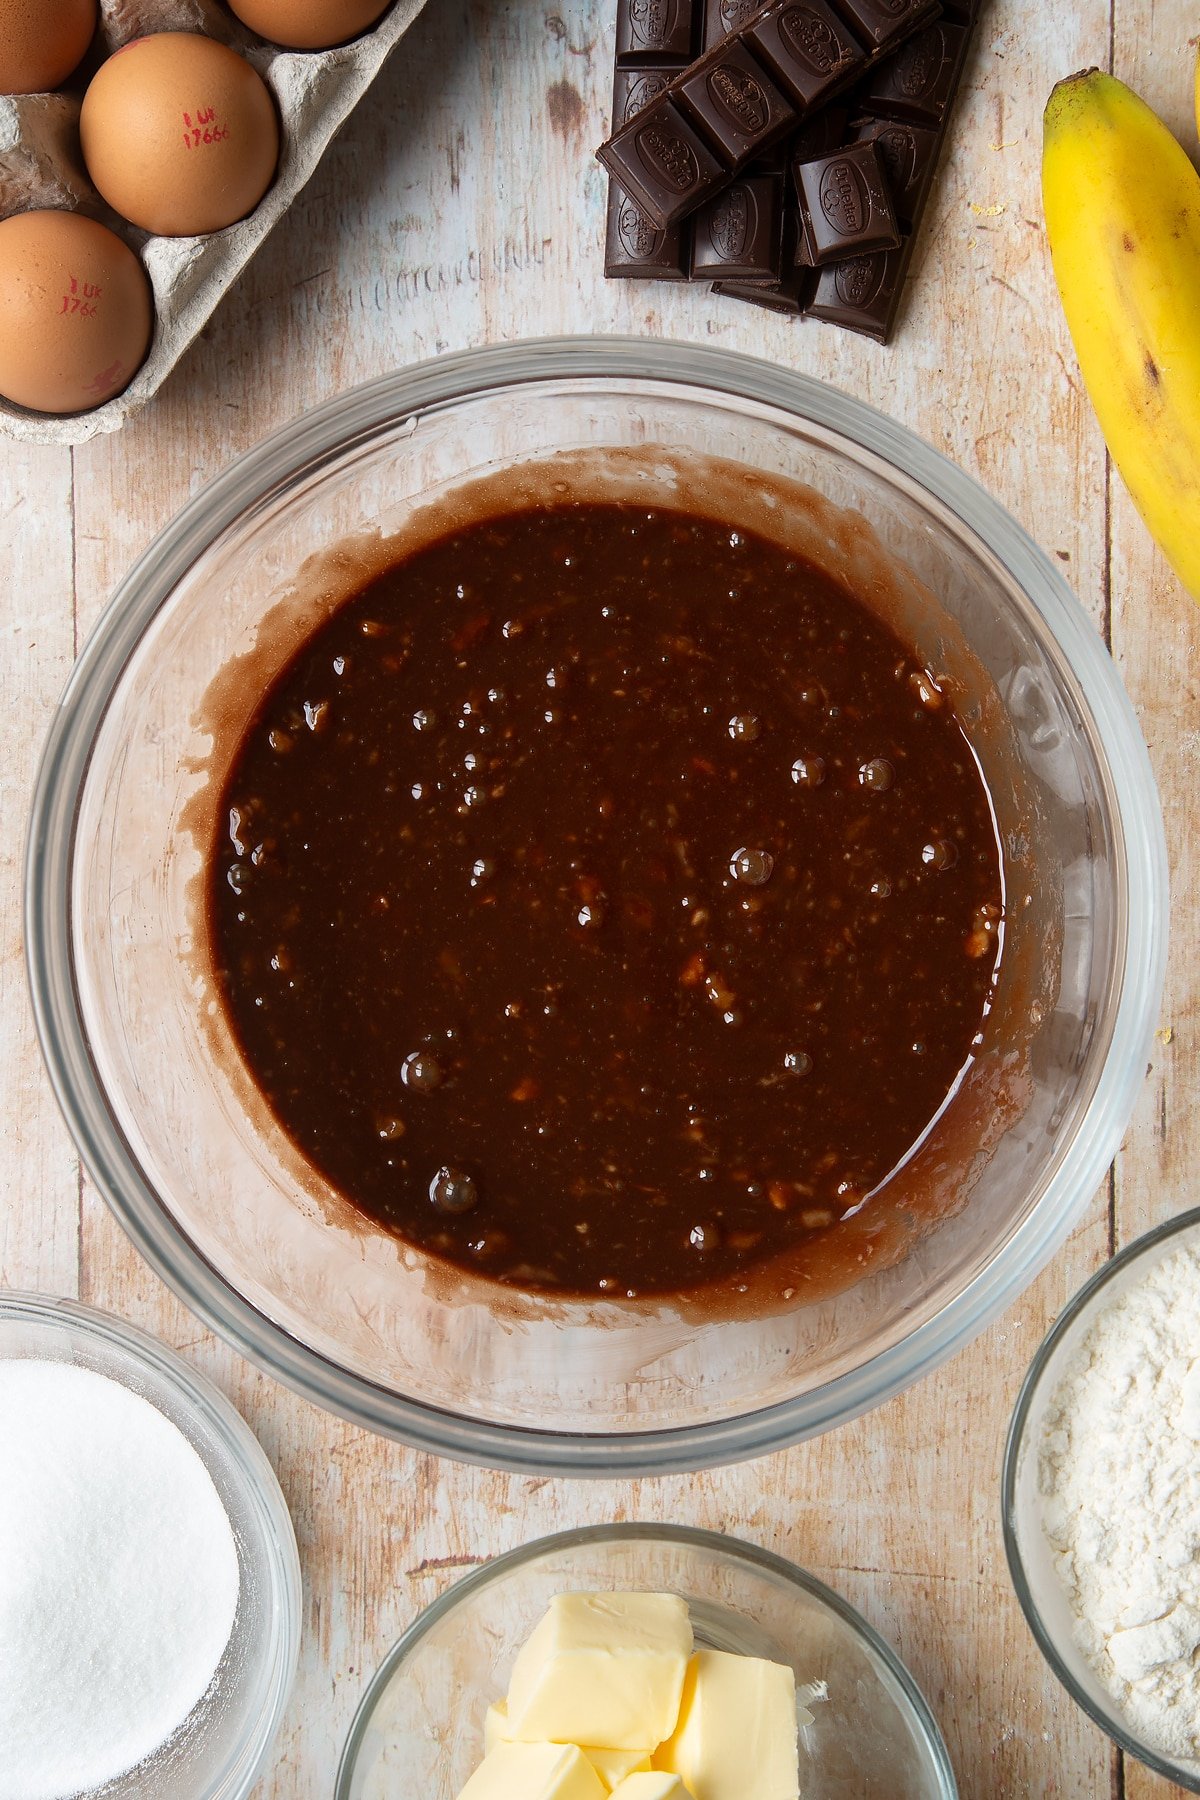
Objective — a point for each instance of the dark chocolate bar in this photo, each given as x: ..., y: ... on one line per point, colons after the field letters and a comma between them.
x: 634, y: 247
x: 919, y: 83
x: 882, y: 24
x: 735, y: 102
x: 914, y: 92
x: 845, y: 208
x: 890, y: 123
x: 651, y: 30
x: 636, y: 87
x: 662, y: 163
x: 723, y: 16
x: 908, y: 154
x: 738, y: 236
x: 786, y: 296
x: 809, y: 49
x: 824, y: 132
x: 721, y: 113
x: 862, y: 294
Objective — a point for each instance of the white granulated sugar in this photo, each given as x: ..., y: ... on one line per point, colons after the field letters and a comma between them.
x: 1119, y: 1477
x: 118, y: 1579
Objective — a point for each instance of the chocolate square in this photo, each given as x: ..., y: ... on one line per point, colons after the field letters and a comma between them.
x: 908, y: 154
x: 881, y: 23
x: 862, y: 294
x: 662, y: 163
x: 635, y: 88
x: 739, y: 235
x: 648, y: 30
x: 734, y: 101
x: 845, y: 207
x: 824, y: 132
x: 635, y: 249
x: 919, y: 82
x: 787, y: 296
x: 723, y: 16
x: 808, y: 49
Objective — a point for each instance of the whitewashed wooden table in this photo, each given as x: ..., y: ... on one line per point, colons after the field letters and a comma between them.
x: 461, y: 206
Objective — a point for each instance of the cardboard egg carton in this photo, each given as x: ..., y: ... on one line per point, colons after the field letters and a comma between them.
x: 41, y: 166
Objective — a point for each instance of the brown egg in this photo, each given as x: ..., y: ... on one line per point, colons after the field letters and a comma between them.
x: 75, y: 312
x: 179, y: 134
x: 42, y: 41
x: 308, y: 24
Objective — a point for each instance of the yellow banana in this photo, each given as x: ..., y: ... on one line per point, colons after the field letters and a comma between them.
x: 1122, y: 206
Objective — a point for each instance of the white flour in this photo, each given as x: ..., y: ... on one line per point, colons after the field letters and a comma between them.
x: 118, y: 1579
x: 1119, y: 1476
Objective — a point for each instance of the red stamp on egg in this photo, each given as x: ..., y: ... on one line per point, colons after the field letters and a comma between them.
x: 81, y: 298
x: 201, y: 128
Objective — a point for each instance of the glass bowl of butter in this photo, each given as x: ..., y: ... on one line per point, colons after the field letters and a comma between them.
x: 780, y: 1685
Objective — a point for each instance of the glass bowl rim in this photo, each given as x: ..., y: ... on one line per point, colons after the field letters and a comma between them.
x: 1087, y: 1299
x: 327, y: 434
x: 696, y: 1537
x: 211, y: 1410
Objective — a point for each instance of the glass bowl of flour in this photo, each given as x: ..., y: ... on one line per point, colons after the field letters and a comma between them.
x: 149, y: 1580
x: 1101, y: 1495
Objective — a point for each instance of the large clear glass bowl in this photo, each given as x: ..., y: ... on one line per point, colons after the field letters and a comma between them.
x: 206, y: 1185
x: 225, y: 1743
x: 419, y: 1728
x: 1031, y: 1559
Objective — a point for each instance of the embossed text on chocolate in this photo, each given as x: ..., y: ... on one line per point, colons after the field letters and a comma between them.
x: 667, y: 157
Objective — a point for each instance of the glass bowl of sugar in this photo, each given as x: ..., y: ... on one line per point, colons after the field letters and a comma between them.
x: 149, y: 1579
x: 1101, y: 1497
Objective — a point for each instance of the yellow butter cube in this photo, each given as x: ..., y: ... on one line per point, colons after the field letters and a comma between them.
x: 612, y: 1766
x: 495, y: 1727
x: 657, y: 1786
x: 737, y: 1732
x: 603, y: 1669
x: 534, y: 1772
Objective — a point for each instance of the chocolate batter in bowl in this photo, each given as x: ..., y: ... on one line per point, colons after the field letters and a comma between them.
x: 459, y: 1305
x: 708, y: 937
